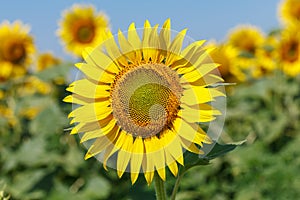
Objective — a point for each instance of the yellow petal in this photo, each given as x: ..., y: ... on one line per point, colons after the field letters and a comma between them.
x: 136, y: 158
x: 85, y: 127
x: 135, y: 41
x: 88, y: 89
x: 125, y: 45
x: 188, y: 132
x: 171, y: 162
x: 117, y: 144
x: 100, y: 60
x: 137, y: 155
x: 124, y: 154
x: 204, y: 109
x: 203, y: 69
x: 77, y: 99
x: 197, y: 95
x: 171, y: 143
x: 109, y: 151
x: 190, y: 146
x: 206, y: 80
x: 109, y: 128
x: 91, y: 112
x: 134, y: 177
x: 149, y: 176
x: 165, y: 35
x: 175, y: 47
x: 158, y: 157
x: 195, y: 45
x: 194, y: 115
x: 133, y: 37
x: 100, y: 144
x: 145, y: 41
x: 113, y: 50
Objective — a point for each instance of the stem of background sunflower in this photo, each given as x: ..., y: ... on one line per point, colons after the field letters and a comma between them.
x: 159, y: 188
x: 176, y: 186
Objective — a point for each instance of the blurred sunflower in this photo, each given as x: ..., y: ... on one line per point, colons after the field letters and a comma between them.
x: 82, y: 27
x: 8, y: 115
x: 225, y: 55
x: 16, y: 48
x: 246, y: 38
x: 142, y: 100
x: 46, y: 60
x: 33, y: 85
x: 289, y: 11
x: 289, y: 51
x: 264, y: 56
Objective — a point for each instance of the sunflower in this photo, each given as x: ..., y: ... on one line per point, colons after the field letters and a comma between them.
x: 82, y: 27
x: 142, y: 100
x: 288, y: 52
x: 264, y: 58
x: 246, y: 38
x: 289, y: 11
x: 225, y: 55
x: 16, y: 48
x: 46, y: 60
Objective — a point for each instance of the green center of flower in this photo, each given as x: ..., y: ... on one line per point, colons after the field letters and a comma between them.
x: 145, y: 99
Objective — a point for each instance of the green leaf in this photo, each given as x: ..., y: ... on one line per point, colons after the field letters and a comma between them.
x: 217, y: 150
x: 220, y: 150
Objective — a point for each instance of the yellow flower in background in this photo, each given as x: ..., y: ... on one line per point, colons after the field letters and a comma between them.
x: 33, y: 85
x: 226, y: 55
x: 246, y: 38
x: 46, y: 60
x: 289, y: 51
x: 265, y: 58
x: 31, y: 112
x: 16, y: 49
x: 8, y: 114
x: 142, y: 100
x: 289, y: 12
x: 82, y: 27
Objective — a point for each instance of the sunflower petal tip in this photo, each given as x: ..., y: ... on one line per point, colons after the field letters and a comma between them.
x: 78, y: 65
x: 131, y: 26
x: 120, y: 173
x: 67, y: 98
x: 88, y: 155
x: 134, y: 177
x: 147, y: 24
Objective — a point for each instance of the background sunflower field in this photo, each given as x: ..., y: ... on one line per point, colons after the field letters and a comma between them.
x: 40, y: 160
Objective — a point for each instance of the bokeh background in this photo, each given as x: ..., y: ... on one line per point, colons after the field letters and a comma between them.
x: 258, y: 47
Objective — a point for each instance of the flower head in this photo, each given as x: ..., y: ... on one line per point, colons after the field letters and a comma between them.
x: 246, y: 38
x: 46, y: 60
x: 288, y: 51
x: 225, y: 55
x: 16, y: 48
x: 142, y: 100
x: 82, y: 27
x: 289, y: 11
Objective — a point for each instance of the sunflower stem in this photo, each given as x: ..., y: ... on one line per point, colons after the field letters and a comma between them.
x: 176, y: 186
x: 159, y: 188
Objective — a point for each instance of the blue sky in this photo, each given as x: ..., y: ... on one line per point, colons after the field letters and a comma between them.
x: 205, y: 19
